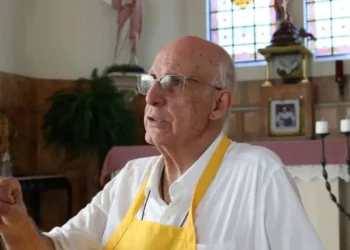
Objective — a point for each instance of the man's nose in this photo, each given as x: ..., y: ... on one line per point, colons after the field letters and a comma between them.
x: 155, y: 95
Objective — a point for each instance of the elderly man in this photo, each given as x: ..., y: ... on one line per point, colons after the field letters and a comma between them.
x: 203, y: 192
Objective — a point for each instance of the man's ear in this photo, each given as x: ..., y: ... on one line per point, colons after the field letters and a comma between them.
x: 222, y: 103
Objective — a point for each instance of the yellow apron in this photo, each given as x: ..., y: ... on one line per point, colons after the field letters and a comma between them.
x: 134, y: 234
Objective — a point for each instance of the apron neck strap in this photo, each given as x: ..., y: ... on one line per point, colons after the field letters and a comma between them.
x: 208, y: 175
x: 204, y: 182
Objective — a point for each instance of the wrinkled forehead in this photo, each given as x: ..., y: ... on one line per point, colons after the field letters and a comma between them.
x: 186, y: 62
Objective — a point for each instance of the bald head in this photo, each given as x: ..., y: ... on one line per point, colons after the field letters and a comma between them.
x: 193, y: 56
x: 181, y: 111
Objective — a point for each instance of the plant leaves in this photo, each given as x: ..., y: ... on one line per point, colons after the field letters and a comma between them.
x: 92, y: 118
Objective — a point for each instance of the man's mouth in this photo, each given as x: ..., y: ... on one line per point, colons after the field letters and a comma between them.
x: 151, y: 119
x: 154, y: 121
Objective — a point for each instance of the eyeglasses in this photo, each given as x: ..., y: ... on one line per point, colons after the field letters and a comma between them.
x: 172, y: 84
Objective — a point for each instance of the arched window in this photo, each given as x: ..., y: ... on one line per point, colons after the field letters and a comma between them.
x: 329, y: 21
x: 242, y: 27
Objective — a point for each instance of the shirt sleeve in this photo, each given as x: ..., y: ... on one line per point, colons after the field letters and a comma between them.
x: 287, y: 224
x: 85, y: 230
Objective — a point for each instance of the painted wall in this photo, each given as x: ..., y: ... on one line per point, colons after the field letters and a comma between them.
x: 11, y: 35
x: 55, y: 39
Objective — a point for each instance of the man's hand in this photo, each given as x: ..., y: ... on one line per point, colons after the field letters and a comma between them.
x: 13, y: 213
x: 16, y: 227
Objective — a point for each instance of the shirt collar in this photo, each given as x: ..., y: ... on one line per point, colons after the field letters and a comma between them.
x: 154, y: 179
x: 187, y: 181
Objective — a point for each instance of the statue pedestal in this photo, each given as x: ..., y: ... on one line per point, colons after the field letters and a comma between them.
x: 126, y: 82
x: 289, y: 62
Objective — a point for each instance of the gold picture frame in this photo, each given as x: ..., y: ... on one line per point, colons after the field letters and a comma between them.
x: 286, y: 117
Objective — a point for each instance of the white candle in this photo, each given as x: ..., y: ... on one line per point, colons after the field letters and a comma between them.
x: 345, y: 125
x: 322, y: 127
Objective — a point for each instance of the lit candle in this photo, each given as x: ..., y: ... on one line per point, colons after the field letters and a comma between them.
x: 345, y: 126
x: 321, y: 127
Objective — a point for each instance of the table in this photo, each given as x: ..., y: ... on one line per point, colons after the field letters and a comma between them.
x: 292, y: 153
x: 36, y: 184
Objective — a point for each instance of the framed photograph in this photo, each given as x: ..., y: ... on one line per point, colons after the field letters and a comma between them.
x: 288, y: 111
x: 285, y: 117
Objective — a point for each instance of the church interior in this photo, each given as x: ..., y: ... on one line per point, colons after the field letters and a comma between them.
x: 292, y: 69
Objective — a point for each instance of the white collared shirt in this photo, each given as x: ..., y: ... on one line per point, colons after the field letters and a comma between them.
x: 252, y: 204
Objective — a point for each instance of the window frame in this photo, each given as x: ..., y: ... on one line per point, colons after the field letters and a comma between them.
x: 309, y: 43
x: 295, y: 7
x: 258, y: 59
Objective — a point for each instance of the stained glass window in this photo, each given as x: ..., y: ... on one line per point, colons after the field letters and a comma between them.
x: 242, y: 29
x: 329, y: 21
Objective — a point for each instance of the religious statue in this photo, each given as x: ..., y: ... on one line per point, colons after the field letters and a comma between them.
x: 287, y: 52
x: 286, y: 33
x: 128, y: 10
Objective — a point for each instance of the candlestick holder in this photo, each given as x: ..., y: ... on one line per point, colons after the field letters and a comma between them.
x: 325, y: 173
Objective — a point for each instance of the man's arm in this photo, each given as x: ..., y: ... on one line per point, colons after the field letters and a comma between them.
x: 17, y: 230
x: 85, y: 230
x: 287, y: 224
x: 30, y: 239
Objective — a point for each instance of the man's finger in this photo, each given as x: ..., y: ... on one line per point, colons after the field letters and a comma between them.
x: 6, y: 195
x: 10, y: 182
x: 6, y: 210
x: 10, y: 190
x: 9, y: 214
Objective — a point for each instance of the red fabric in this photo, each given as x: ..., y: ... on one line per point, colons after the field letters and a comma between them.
x: 291, y: 153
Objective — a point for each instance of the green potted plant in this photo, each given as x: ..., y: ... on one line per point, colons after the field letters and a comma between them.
x: 90, y: 118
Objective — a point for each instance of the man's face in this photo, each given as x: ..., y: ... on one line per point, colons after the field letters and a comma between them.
x: 175, y: 119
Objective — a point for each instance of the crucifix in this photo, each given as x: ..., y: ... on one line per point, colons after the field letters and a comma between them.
x: 129, y: 16
x: 281, y: 10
